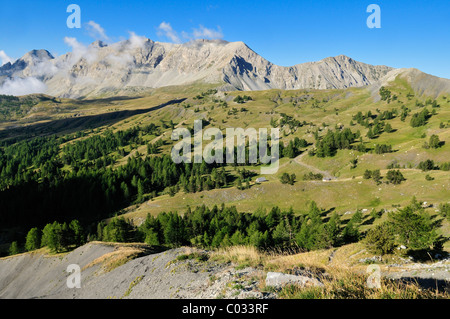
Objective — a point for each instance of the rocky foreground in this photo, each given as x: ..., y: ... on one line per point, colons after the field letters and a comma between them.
x: 157, y: 275
x: 132, y: 271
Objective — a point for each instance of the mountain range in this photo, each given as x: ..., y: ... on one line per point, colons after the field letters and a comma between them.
x: 139, y: 63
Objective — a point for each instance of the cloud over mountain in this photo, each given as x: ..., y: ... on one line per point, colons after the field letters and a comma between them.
x: 96, y: 31
x: 22, y: 86
x: 4, y: 58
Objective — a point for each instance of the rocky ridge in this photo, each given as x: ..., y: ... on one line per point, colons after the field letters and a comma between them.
x: 138, y: 62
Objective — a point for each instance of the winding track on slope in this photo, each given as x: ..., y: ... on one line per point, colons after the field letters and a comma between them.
x: 310, y: 167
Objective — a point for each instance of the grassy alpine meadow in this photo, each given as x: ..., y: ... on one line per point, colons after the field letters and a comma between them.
x: 352, y: 161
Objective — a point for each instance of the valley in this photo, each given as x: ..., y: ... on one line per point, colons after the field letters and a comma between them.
x: 95, y: 166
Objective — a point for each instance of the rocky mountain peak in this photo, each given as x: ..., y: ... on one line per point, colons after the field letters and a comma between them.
x: 141, y: 62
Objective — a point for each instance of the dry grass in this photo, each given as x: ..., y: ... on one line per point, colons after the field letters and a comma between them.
x: 121, y: 255
x: 44, y: 252
x: 242, y: 255
x: 312, y: 260
x: 342, y: 276
x: 346, y: 284
x: 285, y: 260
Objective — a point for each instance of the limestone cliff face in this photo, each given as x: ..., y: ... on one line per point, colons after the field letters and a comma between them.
x: 142, y: 63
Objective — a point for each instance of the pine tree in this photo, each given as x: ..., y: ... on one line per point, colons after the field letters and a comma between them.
x: 434, y: 141
x: 333, y: 229
x: 380, y: 239
x: 376, y: 176
x: 140, y: 191
x: 395, y: 177
x: 174, y: 230
x: 388, y: 128
x: 125, y: 190
x: 77, y: 232
x: 239, y: 183
x: 51, y: 236
x: 238, y: 238
x: 151, y: 238
x: 350, y: 233
x: 414, y: 228
x: 33, y: 239
x: 14, y: 248
x: 280, y: 235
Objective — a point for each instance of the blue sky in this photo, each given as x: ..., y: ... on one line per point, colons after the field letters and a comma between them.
x: 413, y: 33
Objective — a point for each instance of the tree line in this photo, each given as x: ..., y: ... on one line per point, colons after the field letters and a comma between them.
x: 219, y: 226
x: 222, y: 226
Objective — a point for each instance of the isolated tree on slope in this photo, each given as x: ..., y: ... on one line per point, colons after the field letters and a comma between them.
x: 33, y: 240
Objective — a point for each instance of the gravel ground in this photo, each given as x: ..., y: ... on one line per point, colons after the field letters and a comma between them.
x: 435, y: 275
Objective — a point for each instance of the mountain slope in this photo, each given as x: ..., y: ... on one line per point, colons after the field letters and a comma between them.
x: 421, y: 83
x: 142, y: 63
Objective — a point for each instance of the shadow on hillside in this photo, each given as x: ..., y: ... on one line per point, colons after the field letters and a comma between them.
x: 327, y: 214
x: 427, y: 283
x: 81, y: 101
x: 74, y: 124
x: 368, y: 220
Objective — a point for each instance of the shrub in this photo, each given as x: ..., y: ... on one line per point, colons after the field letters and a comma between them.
x: 383, y: 148
x: 311, y: 176
x: 242, y: 99
x: 427, y: 165
x: 287, y: 179
x: 375, y: 175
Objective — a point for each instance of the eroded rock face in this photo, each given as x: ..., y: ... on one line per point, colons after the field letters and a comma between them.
x: 139, y: 62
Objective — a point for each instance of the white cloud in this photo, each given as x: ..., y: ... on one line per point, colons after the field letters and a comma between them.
x: 121, y: 60
x: 19, y: 86
x: 96, y: 31
x: 44, y: 68
x: 205, y: 33
x: 4, y: 58
x: 79, y: 50
x: 136, y: 41
x: 166, y: 30
x: 76, y: 46
x: 186, y: 35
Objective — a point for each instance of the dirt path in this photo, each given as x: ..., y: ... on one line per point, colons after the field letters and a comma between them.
x: 310, y: 167
x: 328, y: 175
